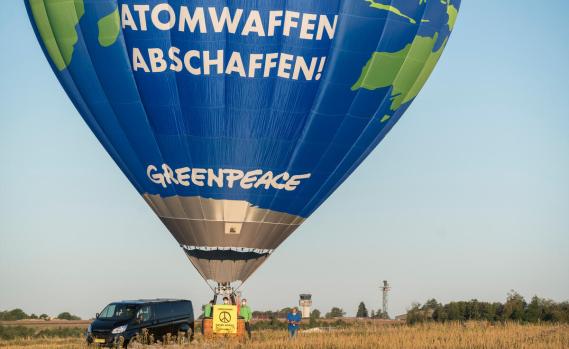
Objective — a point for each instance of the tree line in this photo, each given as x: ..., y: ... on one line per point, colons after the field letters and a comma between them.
x: 515, y: 308
x: 335, y: 312
x: 362, y: 312
x: 19, y: 314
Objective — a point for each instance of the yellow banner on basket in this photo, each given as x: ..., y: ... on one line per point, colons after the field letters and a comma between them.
x: 224, y: 318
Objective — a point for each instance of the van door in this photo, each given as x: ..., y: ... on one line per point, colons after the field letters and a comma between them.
x: 179, y: 316
x: 146, y: 319
x: 162, y: 319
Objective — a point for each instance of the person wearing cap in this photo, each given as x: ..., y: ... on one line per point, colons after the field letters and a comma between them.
x: 247, y: 315
x: 293, y: 319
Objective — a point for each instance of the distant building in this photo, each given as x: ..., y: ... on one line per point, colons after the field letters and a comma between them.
x: 402, y: 317
x: 305, y: 304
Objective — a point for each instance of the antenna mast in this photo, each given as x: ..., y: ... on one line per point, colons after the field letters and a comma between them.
x: 385, y: 292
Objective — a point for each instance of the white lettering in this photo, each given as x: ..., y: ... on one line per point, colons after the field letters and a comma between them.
x: 142, y: 9
x: 173, y: 54
x: 157, y: 62
x: 290, y: 21
x: 207, y: 62
x: 165, y: 17
x: 185, y: 176
x: 250, y: 178
x: 254, y: 24
x: 294, y: 181
x: 156, y: 17
x: 198, y: 176
x: 138, y: 61
x: 157, y: 178
x: 192, y: 21
x: 225, y: 19
x: 307, y: 26
x: 324, y: 25
x: 126, y: 18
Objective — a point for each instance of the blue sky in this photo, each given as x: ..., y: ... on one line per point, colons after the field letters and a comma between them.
x: 468, y: 197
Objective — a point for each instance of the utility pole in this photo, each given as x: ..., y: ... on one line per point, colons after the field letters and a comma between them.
x: 385, y: 292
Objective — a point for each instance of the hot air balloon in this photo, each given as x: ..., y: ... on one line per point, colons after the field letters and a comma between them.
x: 235, y: 120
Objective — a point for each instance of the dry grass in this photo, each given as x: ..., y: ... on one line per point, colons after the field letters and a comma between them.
x: 471, y: 335
x: 40, y: 324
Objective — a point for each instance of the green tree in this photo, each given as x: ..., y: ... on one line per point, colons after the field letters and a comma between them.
x: 453, y: 311
x: 313, y: 320
x: 440, y: 313
x: 431, y: 304
x: 67, y: 316
x: 315, y: 314
x: 514, y: 308
x: 534, y: 311
x: 416, y: 314
x: 13, y: 315
x: 282, y: 314
x: 362, y: 311
x: 44, y: 317
x: 487, y: 311
x: 335, y: 312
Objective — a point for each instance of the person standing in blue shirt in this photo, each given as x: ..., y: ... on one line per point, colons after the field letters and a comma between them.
x: 293, y: 319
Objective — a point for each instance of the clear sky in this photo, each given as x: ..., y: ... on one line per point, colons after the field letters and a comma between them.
x: 468, y: 197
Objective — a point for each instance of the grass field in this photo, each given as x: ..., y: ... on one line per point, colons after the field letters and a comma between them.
x: 370, y: 335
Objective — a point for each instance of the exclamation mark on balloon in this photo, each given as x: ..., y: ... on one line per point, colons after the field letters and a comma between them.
x: 320, y: 68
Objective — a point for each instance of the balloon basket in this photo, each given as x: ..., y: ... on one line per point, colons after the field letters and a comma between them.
x: 209, y: 335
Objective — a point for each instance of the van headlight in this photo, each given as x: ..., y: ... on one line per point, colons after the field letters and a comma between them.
x: 119, y: 329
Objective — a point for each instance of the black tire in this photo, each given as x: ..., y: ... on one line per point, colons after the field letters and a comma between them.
x: 188, y: 332
x: 131, y: 341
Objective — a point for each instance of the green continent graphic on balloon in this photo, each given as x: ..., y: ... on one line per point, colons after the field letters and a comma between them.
x: 390, y: 8
x: 405, y: 71
x: 109, y: 29
x: 56, y: 23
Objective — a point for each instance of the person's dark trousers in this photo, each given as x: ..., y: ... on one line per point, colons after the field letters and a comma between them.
x: 248, y: 328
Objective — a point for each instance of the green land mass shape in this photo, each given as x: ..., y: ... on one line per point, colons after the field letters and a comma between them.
x: 452, y: 13
x: 406, y: 71
x: 109, y: 28
x: 392, y: 9
x: 56, y: 21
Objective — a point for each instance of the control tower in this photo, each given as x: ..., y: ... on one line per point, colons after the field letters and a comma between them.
x: 305, y: 304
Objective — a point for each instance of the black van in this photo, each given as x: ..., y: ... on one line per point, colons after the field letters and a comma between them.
x: 128, y: 318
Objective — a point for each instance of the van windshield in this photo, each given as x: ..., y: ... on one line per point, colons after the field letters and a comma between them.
x: 118, y: 312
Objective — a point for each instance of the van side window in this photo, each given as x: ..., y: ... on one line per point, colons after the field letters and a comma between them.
x: 184, y: 308
x: 179, y: 308
x: 144, y: 313
x: 188, y: 308
x: 173, y: 309
x: 164, y: 310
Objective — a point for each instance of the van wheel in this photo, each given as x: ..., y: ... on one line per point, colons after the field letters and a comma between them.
x: 134, y: 343
x: 186, y: 334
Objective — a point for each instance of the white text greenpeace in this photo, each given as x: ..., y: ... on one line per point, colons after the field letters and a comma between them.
x: 200, y: 177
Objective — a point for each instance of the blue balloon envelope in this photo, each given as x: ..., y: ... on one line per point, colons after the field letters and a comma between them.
x: 236, y: 120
